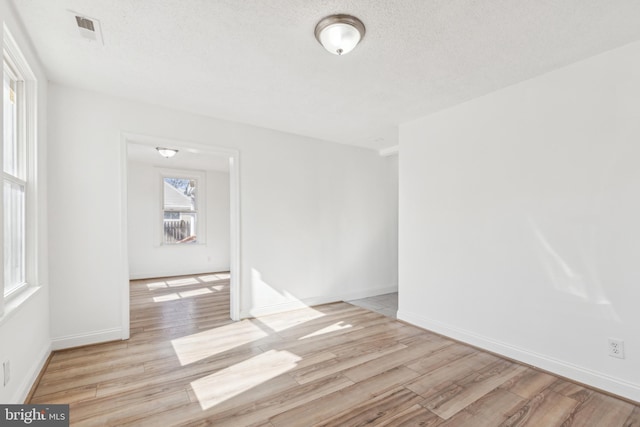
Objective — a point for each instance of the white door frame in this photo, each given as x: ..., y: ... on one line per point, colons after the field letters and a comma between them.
x: 234, y: 213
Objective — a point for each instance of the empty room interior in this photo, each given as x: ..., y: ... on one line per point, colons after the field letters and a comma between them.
x: 340, y: 213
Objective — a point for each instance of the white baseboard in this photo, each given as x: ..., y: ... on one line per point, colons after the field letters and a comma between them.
x: 174, y: 272
x: 368, y: 293
x: 78, y: 340
x: 580, y: 374
x: 25, y: 386
x: 308, y: 302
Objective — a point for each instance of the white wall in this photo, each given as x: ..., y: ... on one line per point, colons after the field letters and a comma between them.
x: 24, y: 327
x: 391, y: 186
x: 519, y: 227
x: 316, y: 221
x: 147, y: 257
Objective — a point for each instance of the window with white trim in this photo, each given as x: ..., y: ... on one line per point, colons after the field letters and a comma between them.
x: 179, y: 209
x: 18, y: 167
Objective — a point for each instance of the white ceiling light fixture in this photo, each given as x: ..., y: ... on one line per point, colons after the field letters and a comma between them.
x: 166, y: 152
x: 339, y: 34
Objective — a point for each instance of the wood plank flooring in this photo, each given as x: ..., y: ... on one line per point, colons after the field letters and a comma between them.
x: 386, y: 304
x: 332, y: 365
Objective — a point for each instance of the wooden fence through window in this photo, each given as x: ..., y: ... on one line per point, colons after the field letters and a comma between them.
x: 176, y: 230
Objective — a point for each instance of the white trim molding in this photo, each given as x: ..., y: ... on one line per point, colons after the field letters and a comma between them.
x: 70, y: 341
x: 200, y: 176
x: 389, y: 151
x: 28, y: 127
x: 234, y: 211
x: 171, y: 273
x: 310, y: 302
x: 125, y: 320
x: 577, y: 373
x: 29, y: 380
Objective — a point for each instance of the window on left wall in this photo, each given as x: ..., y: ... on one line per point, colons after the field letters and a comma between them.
x: 14, y: 184
x: 18, y: 163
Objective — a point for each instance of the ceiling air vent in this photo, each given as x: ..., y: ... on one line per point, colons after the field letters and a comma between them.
x: 85, y: 23
x: 89, y: 28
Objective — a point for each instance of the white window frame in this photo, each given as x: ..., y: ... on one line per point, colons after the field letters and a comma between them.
x: 20, y: 177
x: 201, y: 203
x: 26, y: 92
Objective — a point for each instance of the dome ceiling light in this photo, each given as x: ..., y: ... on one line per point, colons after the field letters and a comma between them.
x: 339, y: 34
x: 167, y: 152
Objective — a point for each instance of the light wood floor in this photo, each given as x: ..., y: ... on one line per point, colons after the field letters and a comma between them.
x: 386, y: 304
x: 332, y: 365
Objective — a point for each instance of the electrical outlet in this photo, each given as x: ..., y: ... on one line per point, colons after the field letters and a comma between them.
x: 616, y: 348
x: 6, y: 369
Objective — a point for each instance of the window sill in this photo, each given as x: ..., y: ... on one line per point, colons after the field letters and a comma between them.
x: 182, y: 245
x: 15, y: 302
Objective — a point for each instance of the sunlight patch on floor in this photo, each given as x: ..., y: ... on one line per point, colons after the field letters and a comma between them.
x: 157, y: 285
x: 202, y: 345
x: 215, y: 277
x: 161, y: 284
x: 241, y: 377
x: 182, y: 282
x: 280, y: 322
x: 167, y: 297
x: 178, y: 295
x: 195, y: 292
x: 331, y: 328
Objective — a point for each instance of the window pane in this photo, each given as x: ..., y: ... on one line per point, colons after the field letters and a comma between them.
x: 179, y: 194
x: 10, y: 140
x: 14, y: 236
x: 180, y: 210
x: 171, y: 215
x: 179, y: 227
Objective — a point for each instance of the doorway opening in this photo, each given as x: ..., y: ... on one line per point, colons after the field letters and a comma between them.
x: 180, y: 214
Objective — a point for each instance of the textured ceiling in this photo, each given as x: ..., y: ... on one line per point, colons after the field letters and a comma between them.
x: 257, y: 61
